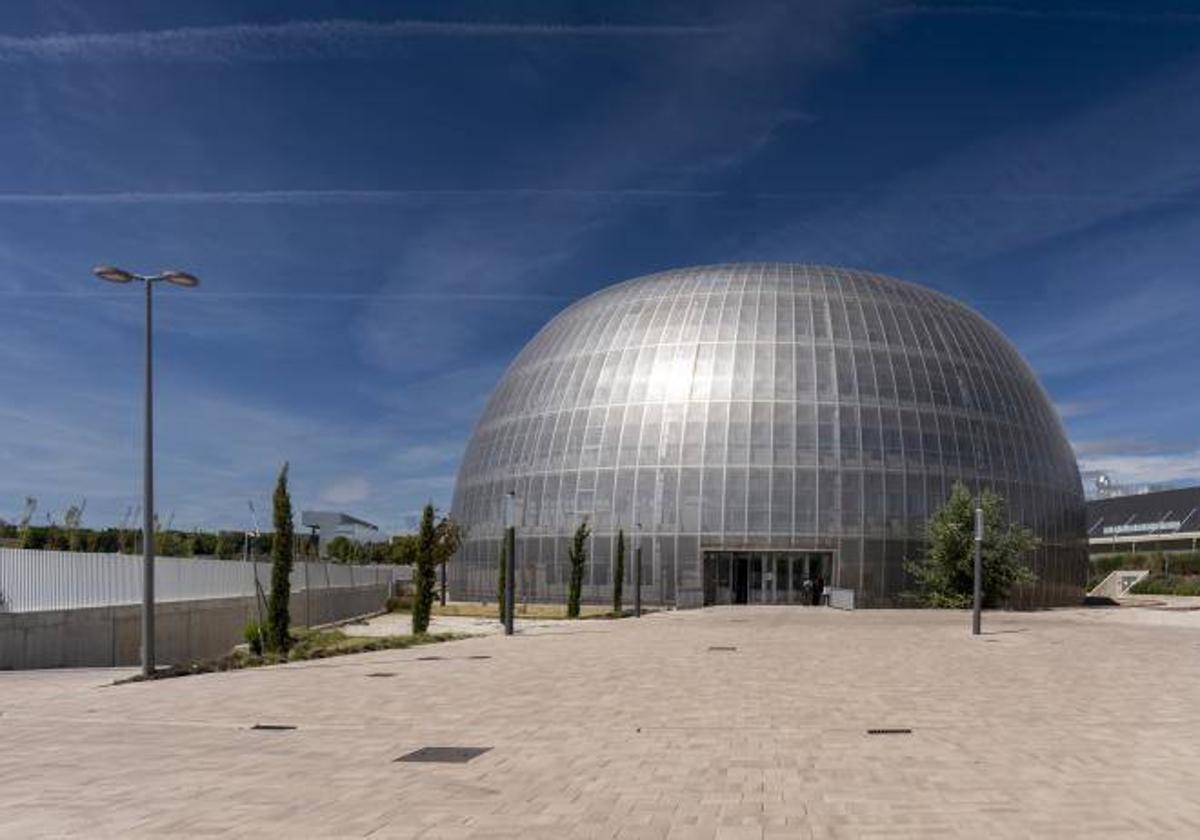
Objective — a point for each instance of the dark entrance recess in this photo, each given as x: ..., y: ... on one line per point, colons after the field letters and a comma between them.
x: 762, y: 577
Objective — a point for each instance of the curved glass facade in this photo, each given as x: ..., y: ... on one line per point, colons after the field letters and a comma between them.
x: 793, y: 416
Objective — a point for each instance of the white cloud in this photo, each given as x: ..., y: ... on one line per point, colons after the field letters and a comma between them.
x: 306, y: 39
x: 347, y: 490
x: 1077, y: 408
x: 1141, y: 468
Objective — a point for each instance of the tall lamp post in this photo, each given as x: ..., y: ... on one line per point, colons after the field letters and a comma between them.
x: 179, y: 278
x: 977, y: 605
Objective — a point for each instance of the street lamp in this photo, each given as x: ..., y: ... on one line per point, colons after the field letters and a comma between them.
x: 178, y: 278
x: 977, y: 599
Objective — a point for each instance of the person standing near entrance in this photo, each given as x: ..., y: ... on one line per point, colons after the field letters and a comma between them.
x: 808, y: 591
x: 818, y: 590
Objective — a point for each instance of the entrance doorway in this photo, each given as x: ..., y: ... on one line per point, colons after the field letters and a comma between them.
x: 762, y: 577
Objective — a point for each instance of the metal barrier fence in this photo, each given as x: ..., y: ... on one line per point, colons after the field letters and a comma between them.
x: 839, y: 599
x: 59, y: 580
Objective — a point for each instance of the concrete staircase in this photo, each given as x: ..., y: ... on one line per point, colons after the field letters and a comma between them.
x: 1118, y: 583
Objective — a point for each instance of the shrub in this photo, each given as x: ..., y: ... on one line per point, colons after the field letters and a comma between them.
x: 578, y: 557
x: 254, y: 635
x: 1168, y: 585
x: 500, y: 581
x: 400, y: 603
x: 423, y: 572
x: 945, y: 576
x: 281, y: 567
x: 619, y: 573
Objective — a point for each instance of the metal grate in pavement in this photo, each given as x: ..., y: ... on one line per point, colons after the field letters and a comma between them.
x: 382, y: 674
x: 273, y: 727
x: 722, y: 647
x: 444, y: 755
x: 889, y: 731
x: 428, y: 658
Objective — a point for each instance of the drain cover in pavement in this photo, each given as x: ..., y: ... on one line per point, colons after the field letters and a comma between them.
x: 479, y: 656
x: 889, y: 731
x: 428, y: 658
x: 444, y: 755
x: 382, y: 674
x: 273, y: 727
x: 722, y: 647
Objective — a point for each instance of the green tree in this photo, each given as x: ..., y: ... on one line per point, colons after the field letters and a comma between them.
x: 278, y: 617
x: 423, y: 572
x: 404, y: 549
x: 945, y: 575
x: 619, y: 573
x: 500, y: 579
x: 578, y: 557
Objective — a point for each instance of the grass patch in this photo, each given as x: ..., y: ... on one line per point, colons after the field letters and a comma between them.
x: 307, y: 644
x: 464, y: 609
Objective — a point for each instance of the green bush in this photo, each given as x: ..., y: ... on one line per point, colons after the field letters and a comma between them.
x: 577, y: 554
x: 254, y: 633
x: 1168, y: 585
x: 1156, y: 562
x: 400, y: 603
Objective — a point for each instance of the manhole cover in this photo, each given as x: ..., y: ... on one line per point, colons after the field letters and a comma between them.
x: 382, y: 674
x: 722, y: 647
x: 889, y: 731
x: 273, y: 727
x: 444, y: 755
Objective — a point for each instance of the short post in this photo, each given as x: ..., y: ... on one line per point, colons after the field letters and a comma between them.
x: 443, y: 597
x: 315, y: 544
x: 510, y: 561
x: 976, y: 618
x: 637, y: 573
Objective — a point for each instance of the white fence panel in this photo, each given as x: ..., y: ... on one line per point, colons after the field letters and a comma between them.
x: 55, y: 580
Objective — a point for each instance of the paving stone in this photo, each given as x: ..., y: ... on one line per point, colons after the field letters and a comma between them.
x: 1055, y: 723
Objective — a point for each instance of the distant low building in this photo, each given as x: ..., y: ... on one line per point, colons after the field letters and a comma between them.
x: 332, y: 524
x: 1168, y: 520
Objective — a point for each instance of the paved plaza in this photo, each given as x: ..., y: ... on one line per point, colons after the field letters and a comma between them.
x: 731, y: 722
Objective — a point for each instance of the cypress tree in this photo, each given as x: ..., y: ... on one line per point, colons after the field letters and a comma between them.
x: 281, y: 567
x: 424, y: 572
x: 578, y: 556
x: 619, y: 573
x: 500, y: 577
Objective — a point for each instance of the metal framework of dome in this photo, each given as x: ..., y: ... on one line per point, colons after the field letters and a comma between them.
x: 764, y: 425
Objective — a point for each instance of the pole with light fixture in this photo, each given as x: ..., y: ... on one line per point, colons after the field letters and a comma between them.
x: 179, y: 278
x: 977, y: 600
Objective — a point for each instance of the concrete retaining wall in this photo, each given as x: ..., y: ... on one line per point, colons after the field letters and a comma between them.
x: 184, y: 630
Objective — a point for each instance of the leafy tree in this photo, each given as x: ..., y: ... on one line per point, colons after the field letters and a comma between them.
x: 945, y: 575
x: 423, y: 572
x: 278, y: 618
x: 341, y: 549
x: 404, y: 549
x: 500, y: 577
x: 619, y: 572
x: 578, y: 557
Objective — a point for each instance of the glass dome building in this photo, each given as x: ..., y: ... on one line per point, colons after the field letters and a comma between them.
x: 752, y: 426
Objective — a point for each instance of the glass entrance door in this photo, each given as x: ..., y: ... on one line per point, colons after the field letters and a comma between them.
x: 764, y: 577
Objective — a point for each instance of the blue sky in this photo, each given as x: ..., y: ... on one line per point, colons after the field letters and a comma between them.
x: 385, y: 201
